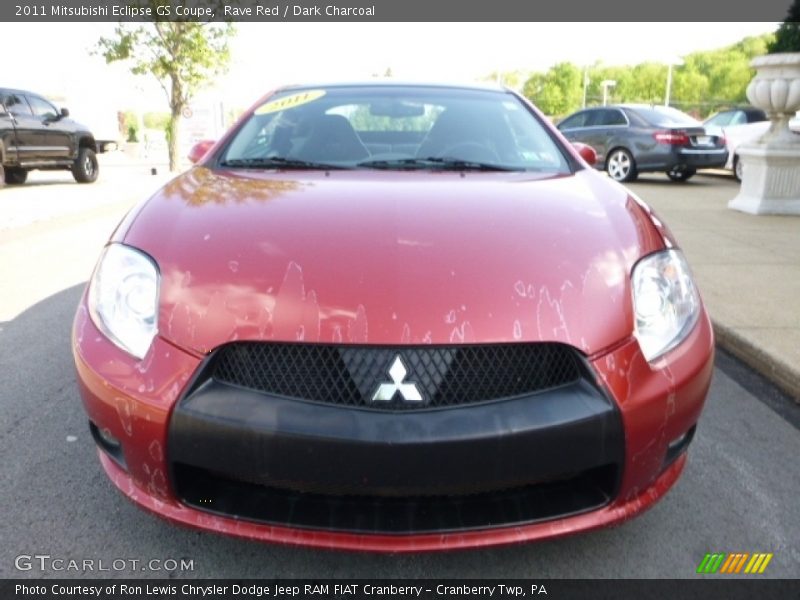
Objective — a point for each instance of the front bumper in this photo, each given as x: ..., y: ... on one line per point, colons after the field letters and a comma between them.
x: 289, y: 462
x: 609, y: 448
x: 615, y: 513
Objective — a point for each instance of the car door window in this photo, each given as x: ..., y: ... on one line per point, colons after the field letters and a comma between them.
x: 594, y: 118
x: 573, y: 122
x: 610, y: 117
x: 42, y: 108
x: 17, y: 106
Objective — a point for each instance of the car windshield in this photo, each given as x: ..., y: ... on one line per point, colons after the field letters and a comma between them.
x: 394, y: 127
x: 667, y: 117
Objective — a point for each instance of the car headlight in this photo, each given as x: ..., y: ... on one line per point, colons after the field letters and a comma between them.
x: 665, y: 301
x: 123, y: 298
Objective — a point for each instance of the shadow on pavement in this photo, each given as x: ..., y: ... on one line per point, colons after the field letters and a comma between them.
x: 701, y: 179
x: 33, y: 183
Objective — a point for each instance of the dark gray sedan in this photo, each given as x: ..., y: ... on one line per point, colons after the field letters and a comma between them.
x: 630, y: 139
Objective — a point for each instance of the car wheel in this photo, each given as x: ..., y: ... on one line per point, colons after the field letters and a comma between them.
x: 85, y: 169
x: 15, y: 176
x: 680, y: 174
x: 737, y: 168
x: 621, y: 166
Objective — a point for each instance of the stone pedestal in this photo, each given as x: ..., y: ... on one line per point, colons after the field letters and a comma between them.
x: 771, y: 167
x: 770, y: 180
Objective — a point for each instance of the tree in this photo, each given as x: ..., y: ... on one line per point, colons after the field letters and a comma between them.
x: 557, y: 92
x: 787, y: 38
x: 181, y: 55
x: 706, y: 81
x: 646, y: 82
x: 689, y: 86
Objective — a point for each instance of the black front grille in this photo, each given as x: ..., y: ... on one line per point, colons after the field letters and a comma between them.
x: 350, y: 375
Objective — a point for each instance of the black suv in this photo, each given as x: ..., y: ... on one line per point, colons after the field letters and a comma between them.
x: 35, y: 135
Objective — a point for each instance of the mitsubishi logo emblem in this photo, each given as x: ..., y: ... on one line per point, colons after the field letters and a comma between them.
x: 397, y: 372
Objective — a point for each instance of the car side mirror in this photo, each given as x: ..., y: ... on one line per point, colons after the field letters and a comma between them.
x: 64, y: 112
x: 199, y: 150
x: 586, y: 152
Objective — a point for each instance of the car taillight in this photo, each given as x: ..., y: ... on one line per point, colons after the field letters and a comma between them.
x: 673, y: 138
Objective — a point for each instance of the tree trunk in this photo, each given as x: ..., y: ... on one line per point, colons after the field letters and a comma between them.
x: 177, y: 104
x: 173, y: 144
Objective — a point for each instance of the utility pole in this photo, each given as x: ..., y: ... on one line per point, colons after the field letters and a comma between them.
x: 669, y: 84
x: 607, y: 84
x: 585, y: 84
x: 675, y: 62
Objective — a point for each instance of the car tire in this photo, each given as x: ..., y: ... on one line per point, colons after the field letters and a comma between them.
x: 681, y: 174
x: 737, y: 168
x: 15, y: 176
x: 85, y: 169
x: 620, y: 165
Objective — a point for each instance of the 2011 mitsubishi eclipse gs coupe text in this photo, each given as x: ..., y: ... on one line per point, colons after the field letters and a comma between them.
x: 395, y: 318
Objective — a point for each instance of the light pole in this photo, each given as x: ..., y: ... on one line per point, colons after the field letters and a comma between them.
x: 607, y: 84
x: 585, y: 84
x: 675, y: 62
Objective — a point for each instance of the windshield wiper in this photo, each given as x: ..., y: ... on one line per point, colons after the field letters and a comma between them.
x: 278, y: 162
x: 435, y: 162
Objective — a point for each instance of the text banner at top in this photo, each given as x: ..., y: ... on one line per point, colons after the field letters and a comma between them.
x: 397, y: 11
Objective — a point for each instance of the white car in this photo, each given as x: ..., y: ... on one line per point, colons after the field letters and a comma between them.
x: 738, y: 126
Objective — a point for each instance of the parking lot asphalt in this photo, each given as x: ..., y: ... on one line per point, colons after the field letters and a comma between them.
x: 738, y: 493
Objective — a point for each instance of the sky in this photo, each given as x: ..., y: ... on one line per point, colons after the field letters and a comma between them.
x: 265, y: 55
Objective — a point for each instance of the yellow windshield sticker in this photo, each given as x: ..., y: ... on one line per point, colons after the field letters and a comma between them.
x: 289, y: 101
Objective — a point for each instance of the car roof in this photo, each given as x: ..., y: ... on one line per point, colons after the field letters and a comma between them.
x: 642, y: 105
x: 385, y: 82
x: 634, y: 106
x: 16, y: 91
x: 8, y: 90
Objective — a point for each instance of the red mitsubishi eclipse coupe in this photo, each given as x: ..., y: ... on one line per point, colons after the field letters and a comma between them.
x: 394, y: 318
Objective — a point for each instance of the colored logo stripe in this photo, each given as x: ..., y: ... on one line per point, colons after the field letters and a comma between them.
x: 733, y: 563
x: 710, y: 563
x: 758, y: 563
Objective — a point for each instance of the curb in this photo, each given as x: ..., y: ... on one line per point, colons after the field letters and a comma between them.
x: 784, y: 376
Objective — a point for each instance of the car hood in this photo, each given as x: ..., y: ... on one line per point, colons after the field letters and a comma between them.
x: 377, y: 257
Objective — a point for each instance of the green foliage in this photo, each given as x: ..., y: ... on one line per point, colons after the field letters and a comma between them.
x: 787, y: 38
x: 646, y: 82
x: 181, y: 55
x: 133, y: 134
x: 705, y: 82
x: 155, y: 120
x: 557, y: 92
